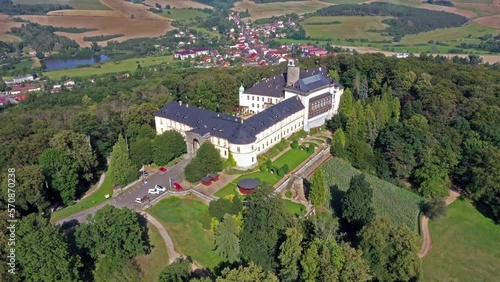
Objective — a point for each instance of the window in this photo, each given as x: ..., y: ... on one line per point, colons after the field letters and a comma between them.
x: 257, y: 106
x: 257, y: 98
x: 269, y: 100
x: 225, y: 153
x: 253, y: 98
x: 161, y: 121
x: 252, y: 147
x: 218, y: 142
x: 238, y: 149
x: 253, y: 105
x: 248, y: 97
x: 253, y: 159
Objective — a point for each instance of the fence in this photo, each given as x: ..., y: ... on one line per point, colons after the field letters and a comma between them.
x: 178, y: 193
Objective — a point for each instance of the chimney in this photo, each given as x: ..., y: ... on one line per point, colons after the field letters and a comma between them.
x: 293, y: 73
x: 180, y: 103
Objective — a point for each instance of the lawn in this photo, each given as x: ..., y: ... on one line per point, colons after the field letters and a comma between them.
x: 267, y: 10
x: 295, y: 208
x: 349, y: 27
x: 109, y: 67
x: 93, y: 200
x: 293, y: 158
x: 76, y: 4
x: 183, y: 14
x: 188, y: 222
x: 465, y: 246
x: 9, y: 38
x: 400, y: 205
x: 153, y: 263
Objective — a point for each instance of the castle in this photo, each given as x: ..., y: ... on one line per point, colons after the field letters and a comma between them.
x: 281, y: 105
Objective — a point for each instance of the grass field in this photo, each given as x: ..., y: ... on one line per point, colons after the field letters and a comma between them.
x: 293, y: 158
x: 473, y: 1
x: 77, y: 4
x: 349, y: 27
x: 465, y: 246
x: 188, y: 222
x: 153, y: 263
x: 295, y: 208
x: 338, y: 2
x: 183, y: 14
x: 109, y: 67
x: 267, y: 10
x: 93, y: 200
x: 9, y: 38
x: 400, y: 205
x: 455, y: 35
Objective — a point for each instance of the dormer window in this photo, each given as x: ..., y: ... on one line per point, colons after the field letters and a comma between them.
x: 214, y: 129
x: 199, y: 121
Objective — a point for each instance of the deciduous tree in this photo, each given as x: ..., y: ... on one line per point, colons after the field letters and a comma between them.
x: 179, y: 271
x: 60, y: 173
x: 290, y: 251
x: 168, y: 146
x: 121, y: 170
x: 318, y: 193
x: 357, y: 207
x: 250, y: 273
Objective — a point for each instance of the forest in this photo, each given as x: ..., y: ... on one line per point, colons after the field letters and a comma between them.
x: 7, y: 7
x: 408, y: 20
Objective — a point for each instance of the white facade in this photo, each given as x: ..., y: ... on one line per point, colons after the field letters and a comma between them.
x: 257, y: 103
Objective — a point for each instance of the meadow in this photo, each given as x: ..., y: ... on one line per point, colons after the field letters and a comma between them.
x: 400, y: 205
x: 454, y: 35
x: 109, y: 67
x: 349, y: 27
x: 76, y: 4
x: 295, y: 208
x: 153, y: 263
x: 178, y: 4
x: 267, y: 10
x: 188, y: 223
x: 183, y: 14
x: 465, y: 246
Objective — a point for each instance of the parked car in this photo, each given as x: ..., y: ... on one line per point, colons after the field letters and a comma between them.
x: 145, y: 181
x: 142, y: 200
x: 163, y: 170
x: 177, y: 186
x: 138, y: 200
x: 145, y: 173
x: 160, y: 188
x: 153, y: 191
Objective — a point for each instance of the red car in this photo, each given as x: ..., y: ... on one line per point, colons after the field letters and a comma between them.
x: 177, y: 186
x: 163, y: 170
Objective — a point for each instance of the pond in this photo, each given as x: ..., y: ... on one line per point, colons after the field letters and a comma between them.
x: 71, y: 63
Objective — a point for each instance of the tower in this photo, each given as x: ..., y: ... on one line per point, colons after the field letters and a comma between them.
x: 293, y: 73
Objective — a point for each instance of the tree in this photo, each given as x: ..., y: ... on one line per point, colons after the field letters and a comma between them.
x: 391, y: 251
x: 113, y: 232
x: 167, y: 7
x: 226, y: 239
x: 30, y: 193
x: 309, y: 262
x: 333, y: 74
x: 355, y: 267
x: 264, y: 221
x: 43, y: 252
x: 179, y: 271
x: 357, y: 207
x: 207, y: 160
x: 250, y: 273
x: 60, y: 173
x: 79, y: 149
x: 318, y: 193
x: 121, y: 170
x: 168, y: 146
x: 338, y: 143
x: 434, y: 208
x: 220, y: 207
x: 346, y: 103
x: 141, y: 152
x: 289, y: 256
x: 230, y: 162
x: 363, y: 89
x: 109, y: 268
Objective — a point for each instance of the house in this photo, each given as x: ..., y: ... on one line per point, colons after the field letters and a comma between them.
x: 289, y: 102
x: 401, y: 55
x: 192, y: 53
x: 18, y: 89
x: 21, y: 79
x: 21, y: 97
x: 3, y: 100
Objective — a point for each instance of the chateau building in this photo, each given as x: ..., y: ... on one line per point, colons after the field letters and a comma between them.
x: 286, y: 103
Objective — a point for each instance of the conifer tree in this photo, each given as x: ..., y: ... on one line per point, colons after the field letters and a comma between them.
x: 121, y: 169
x: 318, y: 193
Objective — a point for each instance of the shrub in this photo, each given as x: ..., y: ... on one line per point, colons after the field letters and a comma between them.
x: 295, y: 144
x: 269, y: 164
x: 280, y: 172
x: 311, y: 148
x: 288, y: 194
x: 434, y: 208
x: 286, y: 169
x: 263, y: 167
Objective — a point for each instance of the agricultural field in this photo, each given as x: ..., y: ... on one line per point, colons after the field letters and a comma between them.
x: 178, y: 4
x: 188, y: 223
x: 454, y: 35
x: 465, y: 246
x: 339, y: 2
x: 349, y: 27
x: 267, y: 10
x: 6, y: 23
x: 153, y: 263
x: 400, y: 205
x: 109, y: 67
x: 76, y: 4
x: 183, y: 14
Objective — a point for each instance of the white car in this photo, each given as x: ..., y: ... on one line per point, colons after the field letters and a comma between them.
x: 160, y: 188
x: 138, y: 200
x: 153, y: 191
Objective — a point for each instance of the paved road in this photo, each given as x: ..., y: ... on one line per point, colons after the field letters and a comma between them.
x: 127, y: 198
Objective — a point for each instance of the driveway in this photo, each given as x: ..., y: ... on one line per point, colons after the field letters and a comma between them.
x: 127, y: 198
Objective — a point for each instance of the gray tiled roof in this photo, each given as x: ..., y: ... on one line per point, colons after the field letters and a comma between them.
x: 229, y: 127
x: 275, y: 85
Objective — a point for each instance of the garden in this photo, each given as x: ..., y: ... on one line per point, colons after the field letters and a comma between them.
x: 400, y: 205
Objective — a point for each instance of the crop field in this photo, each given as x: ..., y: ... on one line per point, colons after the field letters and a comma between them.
x: 349, y: 27
x: 109, y: 67
x: 400, y: 205
x: 9, y: 38
x: 465, y: 246
x: 77, y: 4
x: 473, y: 1
x: 178, y: 4
x: 267, y: 10
x: 188, y: 223
x: 183, y: 14
x: 339, y: 2
x: 6, y: 23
